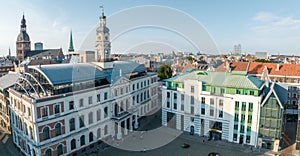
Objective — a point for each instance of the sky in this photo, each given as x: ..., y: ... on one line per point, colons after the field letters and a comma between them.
x: 258, y: 25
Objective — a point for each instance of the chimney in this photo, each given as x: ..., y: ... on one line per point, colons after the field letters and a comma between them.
x: 277, y: 67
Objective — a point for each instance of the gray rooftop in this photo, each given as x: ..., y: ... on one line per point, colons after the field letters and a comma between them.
x: 60, y: 74
x: 8, y: 80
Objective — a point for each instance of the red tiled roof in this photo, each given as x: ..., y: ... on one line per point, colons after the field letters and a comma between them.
x: 258, y: 67
x: 191, y: 66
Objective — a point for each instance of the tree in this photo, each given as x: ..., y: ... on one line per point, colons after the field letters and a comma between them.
x: 164, y: 71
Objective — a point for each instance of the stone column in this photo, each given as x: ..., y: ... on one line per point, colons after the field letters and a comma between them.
x: 119, y: 134
x: 125, y: 127
x: 136, y: 124
x: 130, y: 124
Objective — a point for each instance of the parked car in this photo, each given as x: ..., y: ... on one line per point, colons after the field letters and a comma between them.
x: 185, y: 145
x: 213, y: 154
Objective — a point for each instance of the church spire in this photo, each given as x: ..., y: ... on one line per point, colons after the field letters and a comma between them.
x: 71, y: 47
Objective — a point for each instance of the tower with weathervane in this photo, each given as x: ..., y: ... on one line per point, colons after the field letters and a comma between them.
x: 103, y: 47
x: 23, y: 42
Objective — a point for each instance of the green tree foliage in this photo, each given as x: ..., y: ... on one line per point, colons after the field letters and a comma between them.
x: 164, y: 71
x: 190, y: 58
x: 262, y: 60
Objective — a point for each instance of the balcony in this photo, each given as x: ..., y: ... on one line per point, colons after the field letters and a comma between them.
x: 121, y: 115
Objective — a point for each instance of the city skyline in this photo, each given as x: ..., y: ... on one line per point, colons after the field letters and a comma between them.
x: 257, y: 26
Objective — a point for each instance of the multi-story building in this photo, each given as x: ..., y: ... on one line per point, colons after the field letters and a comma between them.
x: 287, y: 74
x: 229, y: 106
x: 6, y: 81
x: 58, y: 109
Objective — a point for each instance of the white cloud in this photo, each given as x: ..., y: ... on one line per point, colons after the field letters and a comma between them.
x: 268, y: 22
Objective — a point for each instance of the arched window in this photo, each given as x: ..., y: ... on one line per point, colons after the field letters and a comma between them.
x: 48, y: 152
x: 82, y: 140
x: 59, y: 149
x: 28, y: 150
x: 105, y: 130
x: 73, y: 144
x: 99, y: 133
x: 91, y: 137
x: 90, y: 117
x: 46, y: 133
x: 31, y: 132
x: 57, y: 129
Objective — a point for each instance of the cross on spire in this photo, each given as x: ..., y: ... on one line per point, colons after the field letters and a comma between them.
x: 102, y: 9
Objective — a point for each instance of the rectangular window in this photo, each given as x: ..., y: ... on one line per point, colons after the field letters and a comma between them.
x: 238, y: 91
x: 71, y: 105
x: 105, y: 96
x: 182, y: 107
x: 211, y: 111
x: 98, y: 114
x: 236, y: 117
x: 29, y: 111
x: 175, y: 95
x: 242, y: 130
x: 72, y: 124
x: 168, y: 94
x: 250, y: 107
x: 243, y: 106
x: 105, y: 112
x: 81, y: 103
x: 192, y: 110
x: 203, y: 109
x: 44, y: 111
x: 242, y: 118
x: 212, y: 102
x: 248, y: 128
x: 81, y: 121
x: 222, y: 91
x: 182, y: 98
x: 236, y: 126
x: 192, y: 100
x: 137, y: 86
x: 220, y: 113
x: 237, y: 107
x: 91, y: 118
x: 251, y: 92
x: 175, y: 106
x: 192, y: 89
x: 213, y: 90
x: 133, y: 87
x: 90, y: 100
x: 249, y: 118
x: 98, y: 98
x: 56, y: 109
x: 203, y: 100
x: 221, y: 103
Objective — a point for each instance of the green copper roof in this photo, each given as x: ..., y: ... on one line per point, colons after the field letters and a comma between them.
x: 71, y: 47
x: 221, y: 79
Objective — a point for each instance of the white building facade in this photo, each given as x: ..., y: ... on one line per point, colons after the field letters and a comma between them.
x: 218, y: 105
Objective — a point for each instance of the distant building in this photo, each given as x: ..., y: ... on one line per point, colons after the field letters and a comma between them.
x: 261, y: 55
x: 38, y: 46
x: 237, y: 49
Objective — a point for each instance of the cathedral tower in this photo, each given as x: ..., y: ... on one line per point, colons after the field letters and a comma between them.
x: 23, y: 42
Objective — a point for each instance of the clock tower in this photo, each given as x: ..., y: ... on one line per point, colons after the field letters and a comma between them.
x: 102, y: 47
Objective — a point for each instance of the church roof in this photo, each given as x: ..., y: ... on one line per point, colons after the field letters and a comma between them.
x: 23, y: 37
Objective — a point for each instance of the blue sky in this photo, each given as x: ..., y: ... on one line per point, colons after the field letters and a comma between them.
x: 268, y: 25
